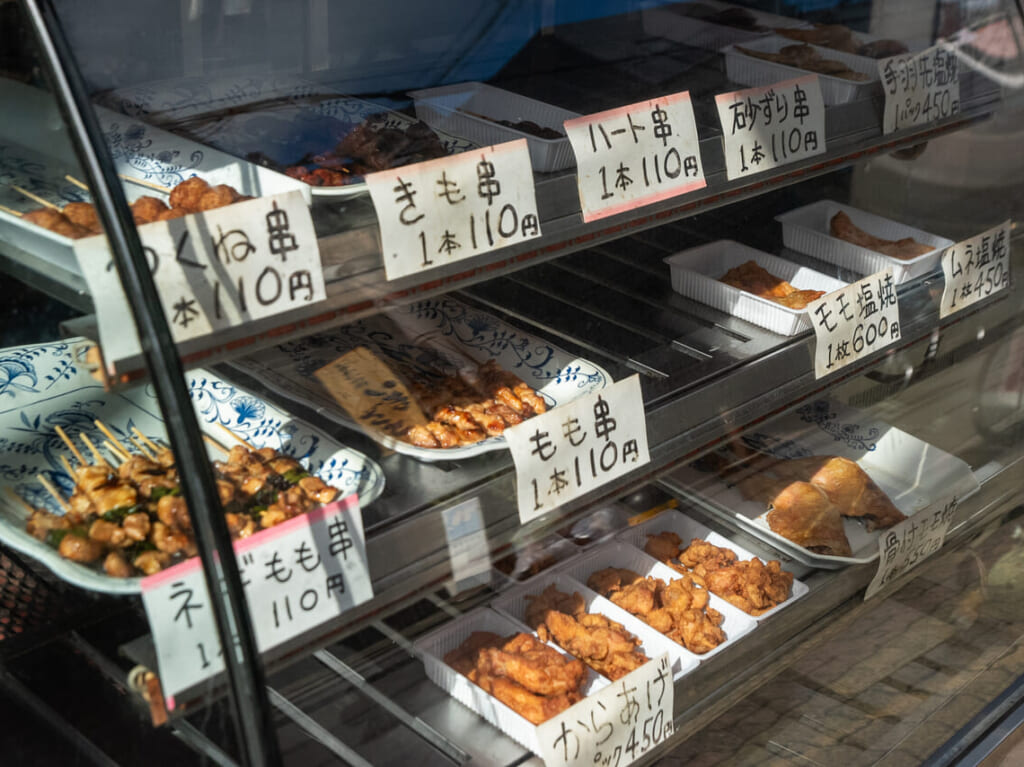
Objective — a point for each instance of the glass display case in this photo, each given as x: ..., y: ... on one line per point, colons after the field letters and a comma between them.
x: 457, y: 367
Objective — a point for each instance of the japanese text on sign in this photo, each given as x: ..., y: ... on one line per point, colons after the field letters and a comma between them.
x: 635, y: 155
x: 438, y: 212
x: 854, y: 321
x: 577, y: 447
x: 769, y: 126
x: 911, y: 541
x: 975, y: 269
x: 296, y: 576
x: 920, y: 88
x: 468, y: 550
x: 213, y: 270
x: 616, y: 725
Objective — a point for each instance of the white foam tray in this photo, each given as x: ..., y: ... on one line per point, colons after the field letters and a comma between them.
x: 513, y: 605
x: 806, y: 230
x: 736, y: 623
x: 447, y: 108
x: 688, y: 529
x: 434, y: 646
x: 696, y: 273
x: 749, y: 70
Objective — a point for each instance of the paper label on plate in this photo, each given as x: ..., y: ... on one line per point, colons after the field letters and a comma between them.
x: 213, y: 270
x: 616, y: 725
x: 577, y: 447
x: 772, y: 125
x: 913, y: 540
x: 853, y: 322
x: 920, y: 88
x: 371, y: 393
x: 975, y: 269
x: 468, y: 550
x: 635, y: 155
x: 296, y: 575
x: 442, y: 211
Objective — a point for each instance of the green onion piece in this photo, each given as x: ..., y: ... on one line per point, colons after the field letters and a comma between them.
x: 54, y: 537
x: 160, y: 492
x: 117, y: 515
x: 292, y: 476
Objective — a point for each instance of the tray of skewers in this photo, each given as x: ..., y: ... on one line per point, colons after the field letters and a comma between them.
x: 712, y: 25
x: 91, y: 488
x: 44, y: 206
x: 823, y: 483
x: 471, y: 376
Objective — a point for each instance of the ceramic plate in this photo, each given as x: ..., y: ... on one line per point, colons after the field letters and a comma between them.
x: 43, y: 386
x: 434, y: 335
x: 914, y: 474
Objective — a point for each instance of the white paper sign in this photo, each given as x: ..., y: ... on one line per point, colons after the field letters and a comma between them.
x: 578, y: 447
x: 920, y: 88
x: 441, y: 211
x: 616, y: 725
x: 213, y: 270
x: 853, y: 322
x: 913, y: 540
x: 772, y: 125
x: 296, y: 576
x: 975, y: 269
x: 636, y: 155
x: 468, y: 549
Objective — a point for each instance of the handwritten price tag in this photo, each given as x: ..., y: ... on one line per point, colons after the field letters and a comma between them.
x: 636, y: 155
x: 769, y: 126
x: 578, y: 447
x: 853, y: 322
x: 920, y: 88
x: 616, y: 725
x: 296, y: 576
x: 913, y: 540
x: 975, y: 269
x: 213, y: 270
x: 438, y: 212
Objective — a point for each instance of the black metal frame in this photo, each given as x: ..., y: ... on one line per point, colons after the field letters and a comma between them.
x: 255, y: 733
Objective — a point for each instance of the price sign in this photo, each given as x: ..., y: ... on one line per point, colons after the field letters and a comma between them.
x: 468, y: 549
x: 854, y: 321
x: 770, y: 126
x: 913, y: 540
x: 920, y: 88
x: 616, y: 725
x: 213, y: 270
x: 578, y: 447
x: 975, y: 269
x: 635, y: 155
x: 296, y: 576
x: 438, y: 212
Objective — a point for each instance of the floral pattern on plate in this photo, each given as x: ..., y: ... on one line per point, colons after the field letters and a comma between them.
x: 44, y: 386
x: 427, y: 339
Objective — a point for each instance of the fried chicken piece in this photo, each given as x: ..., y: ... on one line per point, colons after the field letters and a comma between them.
x: 534, y: 708
x: 752, y: 278
x: 172, y: 213
x: 84, y: 215
x: 147, y: 209
x: 551, y: 599
x: 842, y: 226
x: 752, y: 586
x: 534, y: 665
x: 706, y: 557
x: 188, y: 193
x: 601, y: 643
x: 834, y: 36
x: 463, y: 657
x: 41, y: 522
x: 664, y: 546
x: 610, y: 579
x: 217, y: 197
x: 56, y: 222
x: 804, y: 514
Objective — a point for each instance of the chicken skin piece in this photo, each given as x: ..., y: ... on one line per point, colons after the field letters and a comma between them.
x: 188, y: 193
x: 842, y: 226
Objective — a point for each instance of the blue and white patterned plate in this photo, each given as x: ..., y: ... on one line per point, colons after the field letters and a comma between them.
x: 42, y: 387
x: 437, y: 335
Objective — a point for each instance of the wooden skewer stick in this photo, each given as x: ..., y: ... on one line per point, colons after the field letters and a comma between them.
x: 93, y: 449
x: 148, y: 184
x: 35, y: 197
x: 52, y: 491
x: 210, y: 440
x: 11, y: 212
x: 235, y: 436
x: 110, y: 435
x: 67, y: 466
x: 71, y: 445
x: 76, y: 182
x: 142, y: 448
x: 121, y: 457
x: 152, y: 445
x: 28, y: 506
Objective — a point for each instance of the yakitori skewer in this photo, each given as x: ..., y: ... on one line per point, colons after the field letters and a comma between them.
x: 67, y: 467
x: 11, y: 211
x: 52, y: 491
x: 71, y: 445
x: 34, y: 197
x: 112, y: 449
x: 28, y: 506
x: 211, y: 441
x: 110, y: 435
x: 152, y: 445
x: 76, y: 182
x: 93, y: 449
x: 148, y: 184
x: 235, y: 436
